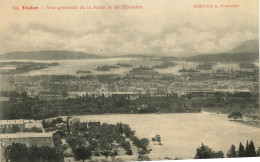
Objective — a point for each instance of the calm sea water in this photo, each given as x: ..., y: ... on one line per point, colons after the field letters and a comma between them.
x: 71, y: 66
x: 182, y: 133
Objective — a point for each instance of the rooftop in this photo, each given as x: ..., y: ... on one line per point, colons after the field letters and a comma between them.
x: 26, y: 135
x: 11, y: 122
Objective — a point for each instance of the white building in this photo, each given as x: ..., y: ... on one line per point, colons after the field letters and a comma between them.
x: 9, y: 124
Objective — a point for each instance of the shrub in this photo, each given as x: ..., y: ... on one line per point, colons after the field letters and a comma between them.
x: 204, y: 152
x: 235, y: 115
x: 129, y: 152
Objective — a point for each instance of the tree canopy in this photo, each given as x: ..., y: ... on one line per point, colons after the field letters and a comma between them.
x: 18, y: 152
x: 204, y: 152
x: 232, y: 152
x: 82, y: 153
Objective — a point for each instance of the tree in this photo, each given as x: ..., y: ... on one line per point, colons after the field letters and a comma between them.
x: 204, y: 152
x: 7, y: 153
x: 75, y: 128
x: 44, y: 123
x: 241, y: 151
x: 251, y: 150
x: 24, y: 96
x: 16, y: 152
x: 57, y: 139
x: 106, y: 147
x: 45, y: 152
x: 67, y: 123
x: 74, y: 141
x: 129, y: 152
x: 232, y: 152
x: 247, y: 149
x: 82, y: 153
x: 258, y: 152
x: 93, y: 144
x: 50, y: 154
x: 144, y: 143
x: 120, y: 129
x: 105, y: 153
x: 235, y: 115
x: 143, y: 158
x: 126, y: 130
x: 218, y: 154
x: 34, y: 153
x: 113, y: 154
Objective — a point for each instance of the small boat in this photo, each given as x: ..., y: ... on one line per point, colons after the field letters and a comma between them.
x: 83, y: 72
x: 188, y: 70
x: 102, y: 68
x: 111, y: 66
x: 165, y: 65
x: 125, y: 65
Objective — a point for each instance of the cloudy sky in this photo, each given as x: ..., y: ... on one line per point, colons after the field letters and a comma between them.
x: 162, y: 27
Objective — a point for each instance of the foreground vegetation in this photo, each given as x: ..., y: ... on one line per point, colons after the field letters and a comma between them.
x: 82, y: 142
x: 86, y: 141
x: 21, y: 153
x: 204, y: 152
x: 18, y: 152
x: 20, y: 105
x: 96, y: 140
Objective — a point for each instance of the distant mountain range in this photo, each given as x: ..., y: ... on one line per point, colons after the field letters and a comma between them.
x: 48, y: 55
x: 135, y: 56
x: 60, y: 55
x: 247, y: 51
x: 225, y: 57
x: 250, y: 46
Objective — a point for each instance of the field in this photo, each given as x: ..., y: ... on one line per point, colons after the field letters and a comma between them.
x: 182, y: 133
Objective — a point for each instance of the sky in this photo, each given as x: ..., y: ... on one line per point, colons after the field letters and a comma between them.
x: 161, y: 27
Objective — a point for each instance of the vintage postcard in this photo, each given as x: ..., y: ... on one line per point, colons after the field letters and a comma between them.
x: 129, y: 80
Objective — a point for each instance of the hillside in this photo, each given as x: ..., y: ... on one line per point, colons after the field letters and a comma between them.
x: 248, y: 51
x: 134, y: 56
x: 225, y: 57
x: 48, y: 55
x: 250, y: 46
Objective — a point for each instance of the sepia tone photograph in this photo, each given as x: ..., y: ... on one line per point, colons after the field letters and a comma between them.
x: 129, y: 80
